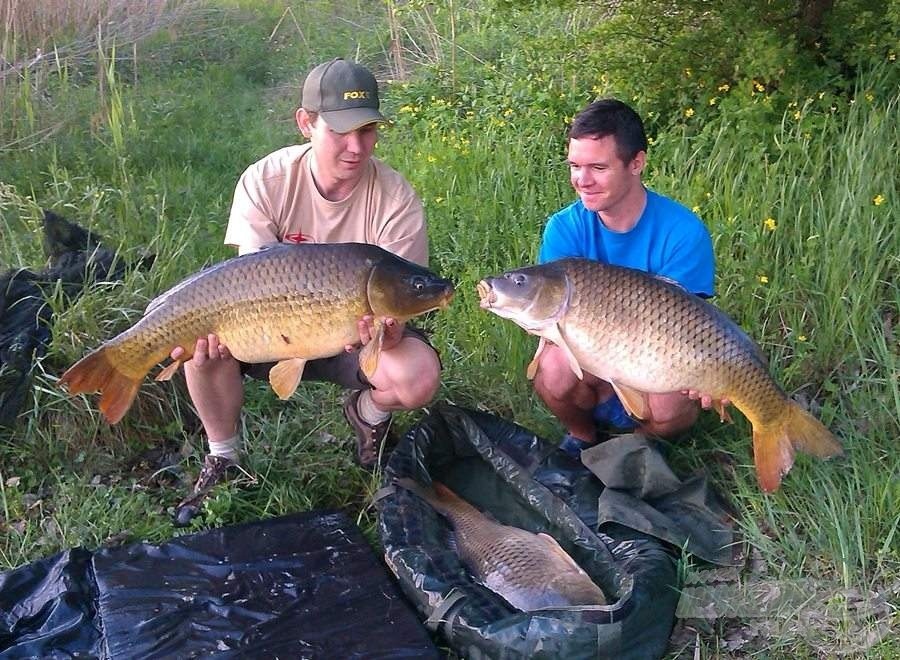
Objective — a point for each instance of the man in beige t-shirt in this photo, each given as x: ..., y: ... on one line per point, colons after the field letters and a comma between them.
x: 328, y: 191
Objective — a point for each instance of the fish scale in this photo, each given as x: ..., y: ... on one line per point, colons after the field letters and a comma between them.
x: 285, y: 304
x: 644, y: 334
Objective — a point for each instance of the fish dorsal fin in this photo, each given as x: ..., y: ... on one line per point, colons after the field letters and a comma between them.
x: 554, y: 547
x: 554, y: 334
x: 668, y: 280
x: 165, y: 295
x: 371, y: 352
x: 634, y: 401
x: 285, y: 376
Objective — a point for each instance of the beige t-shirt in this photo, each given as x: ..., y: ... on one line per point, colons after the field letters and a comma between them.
x: 276, y: 200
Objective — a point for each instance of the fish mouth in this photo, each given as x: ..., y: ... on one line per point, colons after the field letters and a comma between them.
x: 486, y: 294
x: 447, y: 298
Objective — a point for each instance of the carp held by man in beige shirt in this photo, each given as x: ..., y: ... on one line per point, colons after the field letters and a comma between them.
x: 276, y: 200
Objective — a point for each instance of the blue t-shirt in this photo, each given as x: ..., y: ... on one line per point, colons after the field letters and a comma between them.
x: 668, y: 240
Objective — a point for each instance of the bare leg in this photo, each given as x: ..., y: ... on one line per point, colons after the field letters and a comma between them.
x: 572, y: 401
x: 670, y: 414
x: 216, y: 387
x: 407, y: 377
x: 214, y: 382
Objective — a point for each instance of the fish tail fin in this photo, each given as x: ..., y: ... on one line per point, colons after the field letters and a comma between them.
x: 774, y: 444
x: 443, y: 491
x: 441, y: 498
x: 95, y: 372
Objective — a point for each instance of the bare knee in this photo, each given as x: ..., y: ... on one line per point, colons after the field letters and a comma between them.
x: 554, y: 378
x: 671, y: 414
x: 411, y: 373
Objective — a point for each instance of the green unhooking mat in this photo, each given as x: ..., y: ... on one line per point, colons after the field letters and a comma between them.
x: 525, y: 481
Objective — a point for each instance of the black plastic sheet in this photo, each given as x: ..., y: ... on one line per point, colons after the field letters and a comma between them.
x: 300, y: 586
x: 77, y: 259
x: 524, y: 481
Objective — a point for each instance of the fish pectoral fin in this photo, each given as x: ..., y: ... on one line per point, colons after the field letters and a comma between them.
x: 532, y: 368
x: 634, y: 401
x: 371, y: 352
x: 554, y: 334
x: 285, y: 376
x: 554, y: 547
x: 169, y: 371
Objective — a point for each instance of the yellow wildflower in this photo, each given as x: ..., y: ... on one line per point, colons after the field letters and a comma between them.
x: 438, y: 200
x: 801, y: 337
x: 507, y: 112
x: 763, y: 279
x: 758, y: 87
x: 689, y: 112
x: 797, y: 114
x: 892, y: 56
x: 695, y: 209
x: 432, y: 159
x: 406, y: 108
x: 688, y: 72
x: 770, y: 224
x: 870, y: 97
x: 724, y: 87
x: 878, y: 200
x: 713, y: 100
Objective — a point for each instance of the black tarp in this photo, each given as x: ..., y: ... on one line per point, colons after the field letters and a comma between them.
x: 300, y: 586
x: 77, y: 259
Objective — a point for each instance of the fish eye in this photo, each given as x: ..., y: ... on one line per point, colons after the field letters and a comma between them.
x: 418, y: 283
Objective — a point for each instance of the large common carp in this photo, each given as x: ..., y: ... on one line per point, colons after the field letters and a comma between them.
x: 643, y: 334
x: 288, y: 303
x: 530, y: 571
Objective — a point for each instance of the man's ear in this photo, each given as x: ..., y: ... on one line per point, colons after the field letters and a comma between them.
x: 637, y: 164
x: 304, y: 122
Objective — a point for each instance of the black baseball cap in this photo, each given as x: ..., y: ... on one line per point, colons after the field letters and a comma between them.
x: 344, y: 93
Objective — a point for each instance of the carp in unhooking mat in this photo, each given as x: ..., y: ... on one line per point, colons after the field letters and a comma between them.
x: 288, y: 303
x: 644, y: 334
x: 530, y: 571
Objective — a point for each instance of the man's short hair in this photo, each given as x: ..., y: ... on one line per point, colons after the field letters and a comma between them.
x: 611, y: 117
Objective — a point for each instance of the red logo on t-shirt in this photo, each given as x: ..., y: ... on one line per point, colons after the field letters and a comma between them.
x: 296, y: 238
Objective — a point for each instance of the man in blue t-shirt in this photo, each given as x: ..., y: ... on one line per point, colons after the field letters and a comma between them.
x: 618, y: 221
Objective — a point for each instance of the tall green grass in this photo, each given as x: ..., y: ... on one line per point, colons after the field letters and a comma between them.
x: 800, y: 199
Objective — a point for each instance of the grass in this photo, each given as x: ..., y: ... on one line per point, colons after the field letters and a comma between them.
x: 144, y: 140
